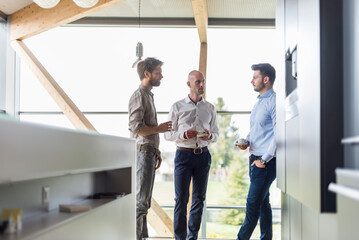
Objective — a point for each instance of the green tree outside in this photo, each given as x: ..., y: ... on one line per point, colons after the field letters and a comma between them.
x: 227, y: 157
x: 222, y: 152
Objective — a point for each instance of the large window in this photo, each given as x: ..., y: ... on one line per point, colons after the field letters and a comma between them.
x: 93, y: 66
x: 3, y: 46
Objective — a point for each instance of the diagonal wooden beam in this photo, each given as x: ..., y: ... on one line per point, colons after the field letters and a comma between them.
x: 33, y: 19
x: 71, y: 111
x: 159, y: 220
x: 200, y: 13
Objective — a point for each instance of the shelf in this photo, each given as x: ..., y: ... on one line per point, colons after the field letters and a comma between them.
x: 344, y: 191
x: 351, y: 140
x: 41, y: 223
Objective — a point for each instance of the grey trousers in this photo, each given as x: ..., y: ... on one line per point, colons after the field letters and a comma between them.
x: 145, y: 176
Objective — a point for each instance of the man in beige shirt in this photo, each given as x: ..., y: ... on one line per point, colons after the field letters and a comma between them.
x: 143, y: 126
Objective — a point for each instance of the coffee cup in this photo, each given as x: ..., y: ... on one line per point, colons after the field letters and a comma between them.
x: 241, y: 142
x: 202, y: 134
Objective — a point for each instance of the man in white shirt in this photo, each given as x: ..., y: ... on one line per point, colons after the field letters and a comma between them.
x: 194, y: 124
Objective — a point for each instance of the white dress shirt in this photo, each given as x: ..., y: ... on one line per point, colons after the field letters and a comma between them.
x: 186, y: 115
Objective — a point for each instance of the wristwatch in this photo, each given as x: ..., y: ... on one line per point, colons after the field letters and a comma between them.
x: 262, y: 161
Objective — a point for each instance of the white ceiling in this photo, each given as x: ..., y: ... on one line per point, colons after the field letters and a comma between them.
x: 10, y: 6
x: 247, y: 9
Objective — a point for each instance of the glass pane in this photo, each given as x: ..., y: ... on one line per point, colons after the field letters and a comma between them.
x: 93, y: 66
x: 230, y: 57
x: 48, y: 119
x: 112, y: 124
x: 33, y: 96
x: 163, y: 191
x: 216, y: 226
x: 229, y: 163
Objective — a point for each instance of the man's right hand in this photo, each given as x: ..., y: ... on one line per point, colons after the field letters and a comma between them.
x: 164, y: 127
x: 242, y: 146
x: 190, y: 134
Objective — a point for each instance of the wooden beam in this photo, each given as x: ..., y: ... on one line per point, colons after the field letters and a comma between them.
x: 33, y: 19
x: 63, y: 101
x: 203, y: 63
x: 189, y: 204
x: 203, y: 59
x: 200, y: 12
x: 3, y: 17
x: 159, y: 220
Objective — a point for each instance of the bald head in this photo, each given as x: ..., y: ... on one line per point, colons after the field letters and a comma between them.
x: 196, y: 83
x: 194, y: 74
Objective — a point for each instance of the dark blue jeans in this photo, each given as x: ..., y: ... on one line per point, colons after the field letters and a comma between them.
x: 189, y: 165
x: 258, y: 206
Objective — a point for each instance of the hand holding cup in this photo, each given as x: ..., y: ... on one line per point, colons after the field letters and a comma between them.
x: 242, y: 143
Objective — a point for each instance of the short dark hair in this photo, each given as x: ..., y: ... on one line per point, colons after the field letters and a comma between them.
x: 266, y: 70
x: 149, y: 64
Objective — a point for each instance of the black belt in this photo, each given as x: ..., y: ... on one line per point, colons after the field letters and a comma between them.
x: 147, y: 148
x: 258, y: 157
x: 194, y: 150
x: 255, y: 157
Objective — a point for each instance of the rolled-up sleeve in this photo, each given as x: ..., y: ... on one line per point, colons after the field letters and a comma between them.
x: 136, y: 112
x: 174, y: 135
x: 214, y: 126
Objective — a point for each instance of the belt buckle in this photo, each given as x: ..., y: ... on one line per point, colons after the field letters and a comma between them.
x: 196, y: 152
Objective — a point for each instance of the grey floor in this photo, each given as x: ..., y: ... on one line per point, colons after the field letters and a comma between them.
x: 158, y: 238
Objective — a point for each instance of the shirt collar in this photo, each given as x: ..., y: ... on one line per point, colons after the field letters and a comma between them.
x: 267, y: 94
x: 188, y: 100
x: 146, y: 90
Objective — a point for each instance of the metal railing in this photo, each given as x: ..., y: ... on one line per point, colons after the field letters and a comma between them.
x: 206, y: 208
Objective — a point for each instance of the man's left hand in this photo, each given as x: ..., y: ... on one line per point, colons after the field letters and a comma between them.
x: 159, y: 162
x: 258, y: 164
x: 208, y: 137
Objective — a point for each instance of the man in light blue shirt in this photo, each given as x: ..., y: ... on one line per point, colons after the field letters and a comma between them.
x: 262, y: 161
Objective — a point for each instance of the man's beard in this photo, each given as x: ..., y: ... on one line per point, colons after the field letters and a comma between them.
x: 155, y: 84
x: 260, y: 88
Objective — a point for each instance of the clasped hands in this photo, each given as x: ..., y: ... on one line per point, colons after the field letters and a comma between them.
x: 193, y: 133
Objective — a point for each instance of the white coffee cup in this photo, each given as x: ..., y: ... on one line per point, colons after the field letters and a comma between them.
x: 202, y: 134
x: 241, y: 142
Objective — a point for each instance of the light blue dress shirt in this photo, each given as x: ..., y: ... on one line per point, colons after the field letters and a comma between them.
x: 261, y: 136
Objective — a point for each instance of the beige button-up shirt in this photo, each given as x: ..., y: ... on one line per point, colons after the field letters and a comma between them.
x: 142, y: 111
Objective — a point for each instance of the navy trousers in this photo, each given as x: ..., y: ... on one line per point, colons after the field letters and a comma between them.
x: 258, y: 206
x: 189, y: 165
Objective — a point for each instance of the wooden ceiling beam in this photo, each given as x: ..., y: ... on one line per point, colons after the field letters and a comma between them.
x: 203, y: 64
x: 33, y: 19
x: 200, y: 12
